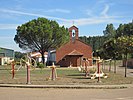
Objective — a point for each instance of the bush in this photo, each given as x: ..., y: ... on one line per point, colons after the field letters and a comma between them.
x: 40, y: 65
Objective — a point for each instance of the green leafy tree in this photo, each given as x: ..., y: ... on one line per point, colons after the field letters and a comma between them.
x: 110, y: 31
x: 40, y: 35
x: 120, y: 46
x: 124, y: 29
x: 112, y: 51
x: 120, y: 31
x: 119, y: 42
x: 19, y: 55
x: 95, y: 42
x: 125, y: 45
x: 128, y: 29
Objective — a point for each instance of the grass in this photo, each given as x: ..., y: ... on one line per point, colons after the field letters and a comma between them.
x: 65, y: 76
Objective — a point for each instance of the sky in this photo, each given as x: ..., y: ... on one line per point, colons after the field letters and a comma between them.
x: 90, y: 16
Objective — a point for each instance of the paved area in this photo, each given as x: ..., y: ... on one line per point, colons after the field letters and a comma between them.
x: 65, y: 94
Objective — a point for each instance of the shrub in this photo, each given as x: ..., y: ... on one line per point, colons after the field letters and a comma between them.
x: 40, y: 65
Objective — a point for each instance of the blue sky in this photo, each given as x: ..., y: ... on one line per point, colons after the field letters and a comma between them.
x: 90, y: 16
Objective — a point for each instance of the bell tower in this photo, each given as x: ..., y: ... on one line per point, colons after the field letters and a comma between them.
x: 73, y: 31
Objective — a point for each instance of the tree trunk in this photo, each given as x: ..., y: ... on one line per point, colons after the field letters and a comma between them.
x: 114, y: 65
x: 110, y: 66
x: 126, y: 67
x: 43, y: 61
x: 42, y: 53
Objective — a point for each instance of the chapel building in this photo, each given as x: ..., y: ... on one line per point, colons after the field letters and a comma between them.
x: 75, y: 52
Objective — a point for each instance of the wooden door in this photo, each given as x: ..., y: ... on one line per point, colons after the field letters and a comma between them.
x: 74, y: 61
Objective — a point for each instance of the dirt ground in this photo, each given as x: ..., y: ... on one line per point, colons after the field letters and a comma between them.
x: 65, y: 94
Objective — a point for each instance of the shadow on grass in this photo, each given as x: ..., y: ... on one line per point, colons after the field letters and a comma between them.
x: 5, y: 69
x: 79, y: 76
x: 82, y: 74
x: 82, y: 78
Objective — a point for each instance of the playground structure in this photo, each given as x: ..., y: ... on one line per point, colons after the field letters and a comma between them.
x: 28, y: 63
x: 98, y: 73
x: 13, y: 69
x: 53, y: 73
x: 23, y: 61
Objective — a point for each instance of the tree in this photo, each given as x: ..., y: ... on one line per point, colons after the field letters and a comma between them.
x: 125, y: 45
x: 124, y: 29
x: 128, y: 29
x: 120, y: 30
x: 96, y: 42
x: 111, y: 50
x: 110, y: 31
x: 40, y: 35
x: 120, y: 42
x: 19, y: 55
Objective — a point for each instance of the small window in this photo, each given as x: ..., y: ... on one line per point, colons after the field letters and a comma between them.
x: 84, y: 59
x: 73, y: 33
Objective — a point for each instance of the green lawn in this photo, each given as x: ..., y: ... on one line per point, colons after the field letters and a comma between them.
x: 65, y: 76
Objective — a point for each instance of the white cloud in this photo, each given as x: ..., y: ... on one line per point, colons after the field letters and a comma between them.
x: 90, y: 21
x: 58, y: 10
x: 104, y: 18
x: 30, y: 14
x: 89, y: 13
x: 104, y: 12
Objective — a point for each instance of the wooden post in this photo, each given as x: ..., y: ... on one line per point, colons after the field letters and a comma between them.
x: 53, y: 72
x: 86, y: 69
x: 98, y: 65
x: 13, y: 69
x: 28, y: 72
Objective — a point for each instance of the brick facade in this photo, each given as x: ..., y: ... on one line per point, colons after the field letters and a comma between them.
x: 73, y: 52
